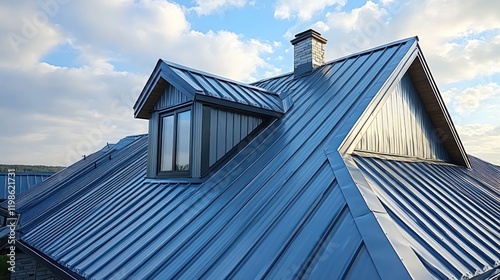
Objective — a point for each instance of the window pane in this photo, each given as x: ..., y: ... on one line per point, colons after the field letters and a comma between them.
x: 183, y: 139
x: 167, y: 143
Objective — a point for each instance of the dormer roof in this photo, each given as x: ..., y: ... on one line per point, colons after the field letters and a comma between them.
x: 200, y: 86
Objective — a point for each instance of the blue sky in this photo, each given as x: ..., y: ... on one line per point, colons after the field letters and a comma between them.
x: 71, y: 70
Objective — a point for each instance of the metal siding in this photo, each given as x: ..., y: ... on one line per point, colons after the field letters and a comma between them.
x: 244, y: 126
x: 237, y: 129
x: 219, y: 146
x: 153, y: 143
x: 213, y: 136
x: 227, y: 129
x: 171, y: 97
x: 274, y: 209
x: 197, y: 133
x: 402, y: 127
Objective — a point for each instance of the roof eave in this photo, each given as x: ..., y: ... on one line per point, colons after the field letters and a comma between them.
x: 56, y: 268
x: 238, y: 106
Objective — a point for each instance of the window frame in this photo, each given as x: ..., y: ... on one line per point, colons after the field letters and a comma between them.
x: 174, y: 112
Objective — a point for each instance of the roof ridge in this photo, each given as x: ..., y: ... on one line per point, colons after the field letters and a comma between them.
x: 217, y: 77
x: 406, y: 40
x: 398, y: 42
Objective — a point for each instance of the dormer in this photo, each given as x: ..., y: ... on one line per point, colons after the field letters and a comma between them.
x: 197, y: 121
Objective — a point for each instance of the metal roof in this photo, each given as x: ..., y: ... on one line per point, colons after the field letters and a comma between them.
x: 198, y: 85
x: 285, y: 206
x: 448, y: 214
x: 24, y: 181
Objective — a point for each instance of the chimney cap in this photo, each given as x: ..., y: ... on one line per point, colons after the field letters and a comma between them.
x: 308, y: 34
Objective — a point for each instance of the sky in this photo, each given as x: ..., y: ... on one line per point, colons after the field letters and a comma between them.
x: 70, y: 71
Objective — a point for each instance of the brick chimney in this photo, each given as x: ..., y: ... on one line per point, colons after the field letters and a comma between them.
x: 308, y: 52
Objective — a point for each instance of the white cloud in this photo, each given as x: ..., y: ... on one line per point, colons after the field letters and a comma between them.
x: 458, y: 43
x: 303, y: 9
x: 475, y: 129
x: 206, y: 7
x: 50, y: 116
x: 467, y: 101
x: 481, y: 140
x: 56, y: 114
x: 217, y: 52
x: 320, y: 26
x: 357, y: 29
x: 468, y: 59
x: 139, y: 33
x: 358, y: 19
x: 26, y: 32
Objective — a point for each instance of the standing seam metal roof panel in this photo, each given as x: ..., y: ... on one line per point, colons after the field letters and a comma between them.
x: 225, y: 89
x: 274, y: 210
x: 453, y: 233
x: 232, y: 223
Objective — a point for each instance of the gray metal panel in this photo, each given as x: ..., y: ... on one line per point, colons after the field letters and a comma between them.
x: 213, y: 129
x: 449, y: 214
x: 197, y: 134
x: 154, y: 127
x: 274, y: 209
x: 219, y: 146
x: 171, y: 97
x: 227, y: 129
x: 402, y: 127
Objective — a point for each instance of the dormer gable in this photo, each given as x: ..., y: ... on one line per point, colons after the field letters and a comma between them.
x: 197, y: 120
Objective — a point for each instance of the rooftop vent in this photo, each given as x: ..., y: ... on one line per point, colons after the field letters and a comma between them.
x: 309, y: 52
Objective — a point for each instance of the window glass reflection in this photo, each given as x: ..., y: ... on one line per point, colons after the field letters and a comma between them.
x: 183, y: 141
x: 167, y: 144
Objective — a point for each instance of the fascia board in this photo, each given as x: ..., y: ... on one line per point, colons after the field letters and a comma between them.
x: 163, y: 71
x: 146, y: 91
x: 237, y: 106
x: 442, y: 106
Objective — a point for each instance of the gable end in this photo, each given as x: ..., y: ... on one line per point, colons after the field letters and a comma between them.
x: 442, y: 136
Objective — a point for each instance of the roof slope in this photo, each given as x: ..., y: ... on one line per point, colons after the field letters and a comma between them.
x: 448, y: 214
x: 281, y: 208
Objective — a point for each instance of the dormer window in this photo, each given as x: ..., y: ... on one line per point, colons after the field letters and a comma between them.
x: 175, y: 142
x: 198, y: 121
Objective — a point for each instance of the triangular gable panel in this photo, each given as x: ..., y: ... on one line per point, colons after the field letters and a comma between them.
x: 171, y: 97
x: 226, y: 129
x: 402, y: 127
